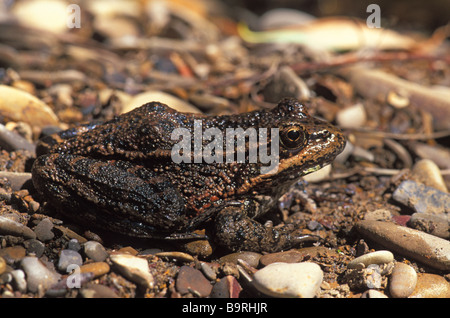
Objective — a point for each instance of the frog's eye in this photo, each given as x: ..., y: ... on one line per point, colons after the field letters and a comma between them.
x: 292, y: 137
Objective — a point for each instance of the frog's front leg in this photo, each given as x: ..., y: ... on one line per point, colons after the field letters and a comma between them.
x: 237, y: 231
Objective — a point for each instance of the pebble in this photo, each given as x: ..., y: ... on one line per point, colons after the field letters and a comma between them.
x: 34, y: 246
x: 68, y: 258
x: 428, y: 172
x: 74, y: 245
x: 95, y: 251
x: 133, y: 268
x: 436, y: 225
x: 10, y: 227
x: 19, y: 281
x: 226, y: 287
x: 2, y: 265
x: 199, y: 248
x: 422, y: 198
x: 378, y: 257
x: 192, y: 280
x: 373, y: 293
x: 365, y: 278
x: 44, y: 230
x: 352, y: 117
x: 251, y: 258
x: 378, y: 215
x: 97, y: 291
x: 300, y: 280
x: 423, y: 247
x: 37, y: 274
x: 403, y: 281
x: 431, y: 286
x: 12, y: 254
x: 97, y: 268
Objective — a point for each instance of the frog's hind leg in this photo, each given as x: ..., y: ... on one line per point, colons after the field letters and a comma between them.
x: 235, y: 230
x: 110, y: 194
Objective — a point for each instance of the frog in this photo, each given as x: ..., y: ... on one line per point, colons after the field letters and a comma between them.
x: 120, y: 176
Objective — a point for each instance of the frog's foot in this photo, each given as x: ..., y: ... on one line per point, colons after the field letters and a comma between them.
x: 237, y: 231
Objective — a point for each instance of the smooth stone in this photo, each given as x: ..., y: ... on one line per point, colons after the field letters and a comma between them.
x: 97, y: 268
x: 378, y: 215
x: 200, y: 248
x: 422, y: 198
x: 37, y: 274
x: 192, y: 280
x: 2, y: 265
x: 226, y: 287
x: 95, y: 251
x: 403, y: 281
x: 373, y: 293
x: 74, y: 245
x: 378, y: 257
x: 68, y: 258
x: 251, y: 258
x: 19, y: 281
x: 433, y: 224
x: 44, y: 230
x: 133, y: 268
x: 97, y: 291
x: 12, y: 254
x: 352, y: 117
x: 35, y: 247
x: 301, y: 280
x: 431, y: 286
x: 428, y: 172
x: 10, y: 227
x: 423, y: 247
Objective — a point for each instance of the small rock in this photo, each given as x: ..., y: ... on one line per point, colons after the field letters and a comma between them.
x: 133, y: 268
x: 436, y: 225
x: 227, y: 287
x: 403, y: 280
x: 251, y: 258
x: 67, y: 258
x: 300, y: 280
x: 421, y: 198
x: 296, y: 255
x: 378, y: 215
x: 431, y: 286
x: 423, y: 247
x: 2, y: 265
x: 37, y: 274
x: 200, y: 248
x: 19, y: 281
x: 372, y: 293
x: 10, y: 227
x: 70, y: 234
x: 44, y: 230
x: 95, y: 251
x: 183, y: 257
x: 378, y: 257
x: 208, y: 271
x: 192, y: 280
x: 97, y: 268
x: 97, y: 291
x: 352, y: 117
x: 428, y: 173
x: 35, y: 247
x: 74, y: 245
x: 12, y: 254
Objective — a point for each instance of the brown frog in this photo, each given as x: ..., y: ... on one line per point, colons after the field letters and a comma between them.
x: 121, y: 175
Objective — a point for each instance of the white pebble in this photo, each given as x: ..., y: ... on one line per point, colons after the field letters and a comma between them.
x: 39, y: 277
x: 300, y: 280
x: 134, y: 268
x: 378, y: 257
x: 403, y: 281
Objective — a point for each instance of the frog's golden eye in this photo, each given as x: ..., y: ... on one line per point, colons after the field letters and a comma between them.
x: 292, y: 136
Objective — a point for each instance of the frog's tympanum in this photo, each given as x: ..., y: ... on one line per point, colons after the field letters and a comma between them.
x: 120, y: 176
